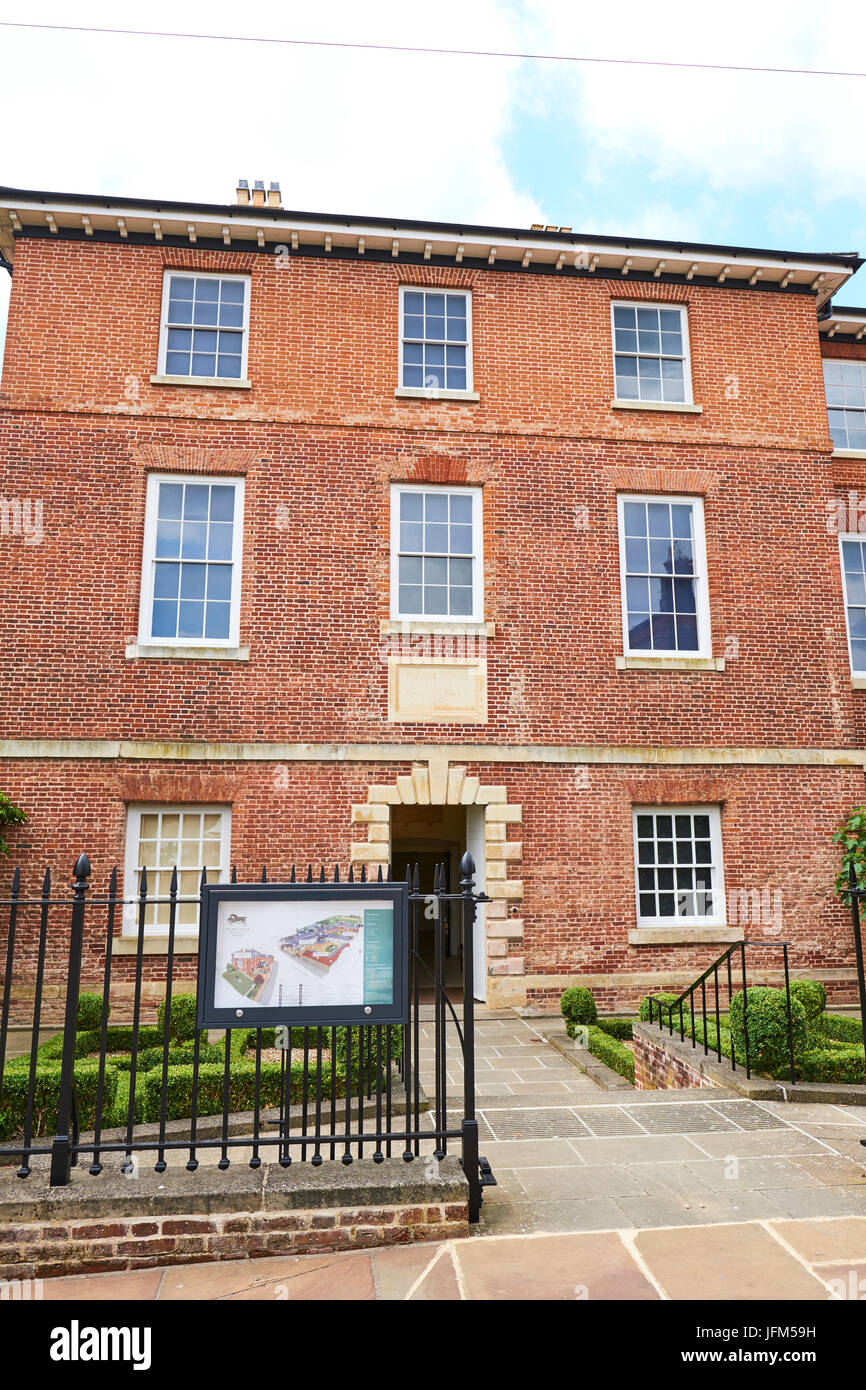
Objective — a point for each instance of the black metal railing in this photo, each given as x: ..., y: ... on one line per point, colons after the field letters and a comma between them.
x: 335, y: 1094
x: 680, y: 1016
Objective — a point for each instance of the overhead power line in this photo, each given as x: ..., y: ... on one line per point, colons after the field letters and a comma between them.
x: 440, y: 52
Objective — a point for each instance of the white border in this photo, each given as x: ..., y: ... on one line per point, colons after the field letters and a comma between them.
x: 688, y: 398
x: 719, y: 915
x: 163, y: 325
x: 134, y: 812
x: 849, y: 536
x: 434, y: 392
x: 702, y: 602
x: 148, y: 560
x: 477, y: 614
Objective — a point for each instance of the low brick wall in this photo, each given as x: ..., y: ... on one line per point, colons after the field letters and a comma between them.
x: 662, y: 1064
x: 111, y: 1223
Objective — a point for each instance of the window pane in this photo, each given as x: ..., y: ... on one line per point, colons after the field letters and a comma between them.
x: 164, y: 619
x: 411, y: 506
x: 217, y: 621
x: 192, y: 581
x: 167, y: 539
x: 190, y: 622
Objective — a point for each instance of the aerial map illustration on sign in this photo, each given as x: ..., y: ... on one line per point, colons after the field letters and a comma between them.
x: 303, y: 951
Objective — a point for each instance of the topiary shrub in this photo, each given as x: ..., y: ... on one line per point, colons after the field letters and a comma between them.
x: 89, y: 1012
x: 764, y: 1017
x: 813, y: 996
x: 181, y: 1026
x: 577, y: 1006
x: 666, y: 1000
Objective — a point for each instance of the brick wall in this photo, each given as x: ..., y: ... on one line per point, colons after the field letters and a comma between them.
x: 40, y: 1249
x: 658, y: 1068
x: 318, y: 439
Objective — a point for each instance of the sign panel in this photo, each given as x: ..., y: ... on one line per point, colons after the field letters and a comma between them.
x: 312, y: 953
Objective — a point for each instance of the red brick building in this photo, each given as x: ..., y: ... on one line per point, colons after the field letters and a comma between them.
x: 357, y: 540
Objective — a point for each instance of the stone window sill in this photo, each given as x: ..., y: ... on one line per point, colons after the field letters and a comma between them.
x: 858, y: 682
x: 684, y: 936
x: 389, y: 627
x: 429, y: 393
x: 154, y: 945
x: 849, y: 453
x: 145, y: 651
x: 670, y: 663
x: 676, y: 407
x: 231, y: 382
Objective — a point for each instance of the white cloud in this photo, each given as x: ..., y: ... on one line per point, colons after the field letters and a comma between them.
x: 730, y: 131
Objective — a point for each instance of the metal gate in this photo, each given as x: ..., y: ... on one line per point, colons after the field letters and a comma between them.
x: 103, y: 1092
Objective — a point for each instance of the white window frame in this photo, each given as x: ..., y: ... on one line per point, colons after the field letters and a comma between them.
x: 845, y: 410
x: 149, y: 560
x: 636, y: 401
x: 436, y: 391
x: 859, y: 538
x: 702, y: 601
x: 164, y: 326
x: 719, y: 914
x: 131, y: 877
x: 456, y: 620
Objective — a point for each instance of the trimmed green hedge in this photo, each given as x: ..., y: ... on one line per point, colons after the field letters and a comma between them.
x: 242, y: 1082
x: 612, y: 1052
x: 90, y: 1011
x: 619, y: 1028
x: 13, y: 1103
x: 842, y: 1065
x: 842, y: 1027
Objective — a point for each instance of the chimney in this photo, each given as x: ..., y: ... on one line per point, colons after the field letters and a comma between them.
x: 242, y: 196
x: 274, y: 197
x: 259, y: 193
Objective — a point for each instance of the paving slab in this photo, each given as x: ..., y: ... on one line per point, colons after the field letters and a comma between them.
x: 605, y: 1121
x: 674, y: 1119
x: 731, y: 1262
x: 841, y: 1200
x: 764, y: 1142
x: 699, y: 1209
x: 545, y: 1184
x: 568, y: 1214
x: 753, y: 1174
x: 635, y: 1148
x: 797, y: 1113
x: 553, y: 1123
x: 139, y: 1286
x: 397, y: 1270
x: 343, y: 1276
x: 531, y: 1153
x: 825, y: 1241
x: 568, y: 1267
x: 748, y: 1115
x: 832, y: 1170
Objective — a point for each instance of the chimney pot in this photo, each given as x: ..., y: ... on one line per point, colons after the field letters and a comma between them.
x: 274, y: 198
x: 242, y: 195
x: 259, y: 193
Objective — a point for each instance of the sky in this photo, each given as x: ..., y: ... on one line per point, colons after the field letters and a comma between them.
x: 746, y: 159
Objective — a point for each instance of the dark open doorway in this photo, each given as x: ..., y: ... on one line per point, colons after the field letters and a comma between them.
x: 427, y: 836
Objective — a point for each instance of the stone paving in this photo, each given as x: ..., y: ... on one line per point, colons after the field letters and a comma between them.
x: 601, y: 1194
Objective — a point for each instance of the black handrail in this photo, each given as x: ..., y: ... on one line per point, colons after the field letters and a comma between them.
x: 725, y: 959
